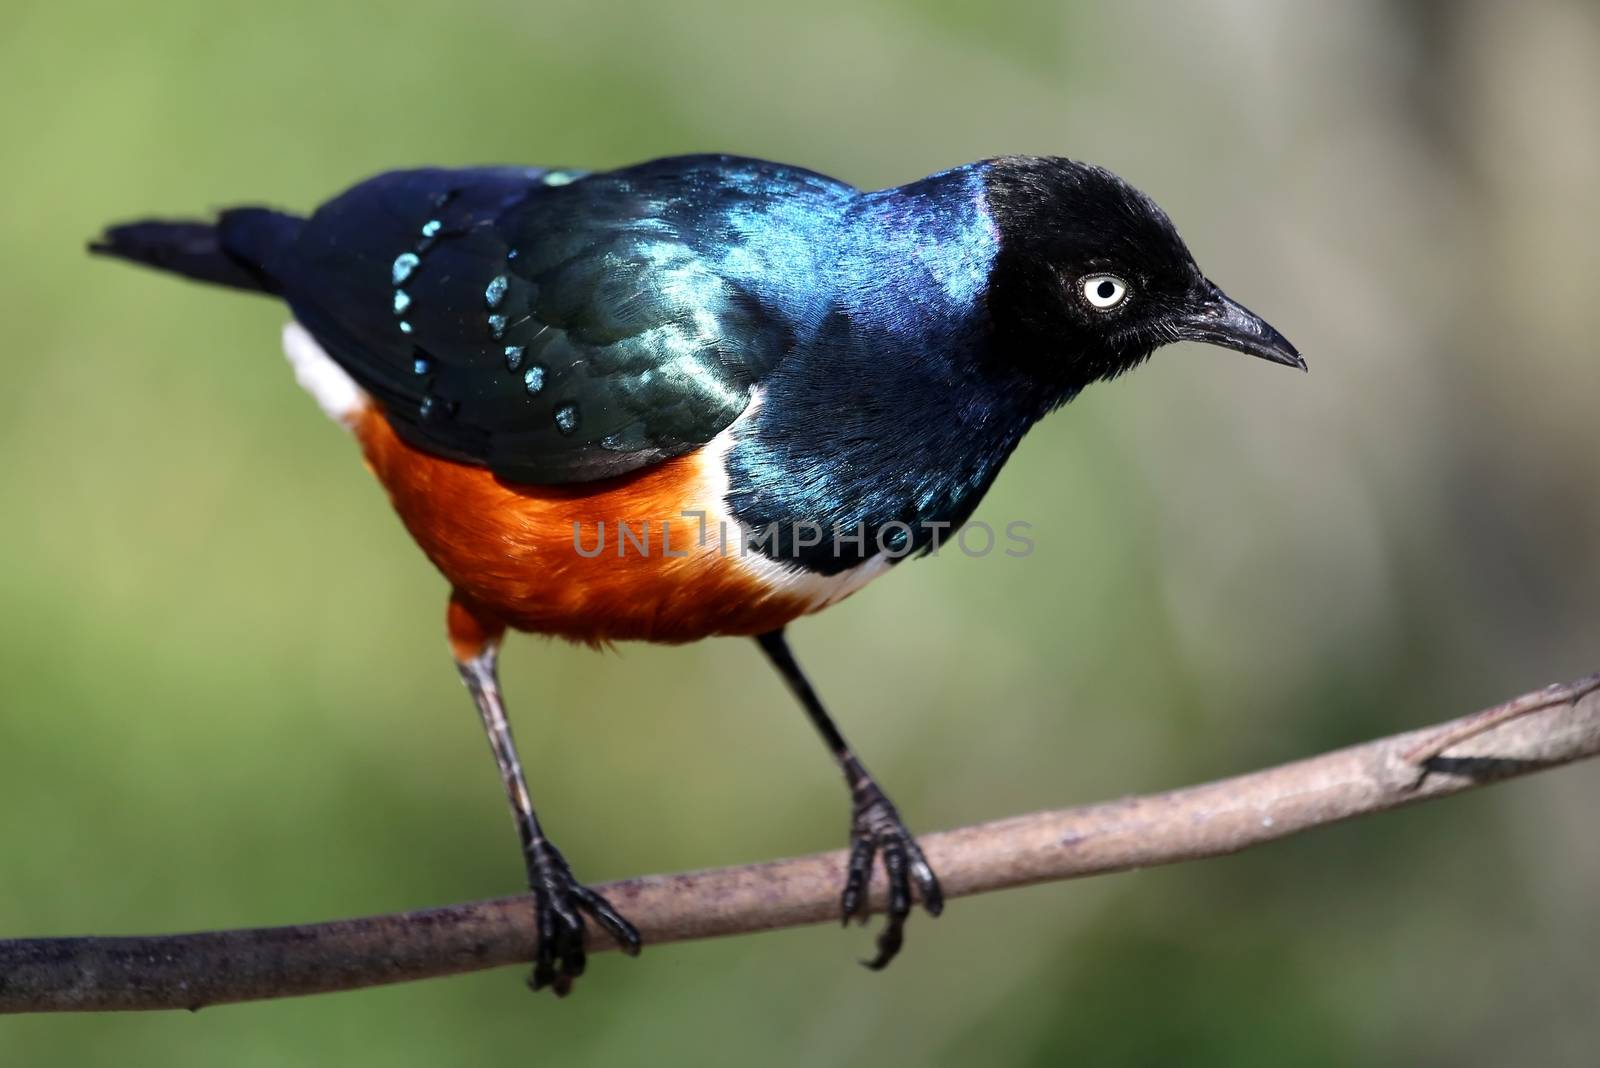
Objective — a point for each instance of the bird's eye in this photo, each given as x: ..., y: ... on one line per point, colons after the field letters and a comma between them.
x: 1104, y: 291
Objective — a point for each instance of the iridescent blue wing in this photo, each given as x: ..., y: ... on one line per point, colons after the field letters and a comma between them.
x: 552, y: 326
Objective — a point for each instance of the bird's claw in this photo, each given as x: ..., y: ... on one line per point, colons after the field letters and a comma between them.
x: 562, y: 902
x: 876, y: 828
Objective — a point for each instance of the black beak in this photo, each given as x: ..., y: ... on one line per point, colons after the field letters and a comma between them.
x: 1219, y: 320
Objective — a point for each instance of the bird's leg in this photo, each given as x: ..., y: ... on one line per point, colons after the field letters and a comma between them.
x: 560, y: 899
x: 875, y: 825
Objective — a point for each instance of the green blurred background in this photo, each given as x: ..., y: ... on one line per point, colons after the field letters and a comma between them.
x: 224, y: 693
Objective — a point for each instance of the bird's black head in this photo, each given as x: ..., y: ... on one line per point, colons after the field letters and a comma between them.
x: 1091, y: 277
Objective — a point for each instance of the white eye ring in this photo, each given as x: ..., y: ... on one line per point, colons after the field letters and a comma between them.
x: 1104, y: 291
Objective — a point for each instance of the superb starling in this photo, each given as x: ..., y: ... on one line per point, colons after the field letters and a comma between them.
x: 788, y: 383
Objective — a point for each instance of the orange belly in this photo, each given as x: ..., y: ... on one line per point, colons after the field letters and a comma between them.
x: 510, y: 550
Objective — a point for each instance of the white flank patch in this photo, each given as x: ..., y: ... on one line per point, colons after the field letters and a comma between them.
x: 815, y: 589
x: 335, y: 392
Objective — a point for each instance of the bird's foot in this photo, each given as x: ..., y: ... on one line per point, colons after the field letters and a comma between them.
x: 562, y: 902
x: 876, y: 828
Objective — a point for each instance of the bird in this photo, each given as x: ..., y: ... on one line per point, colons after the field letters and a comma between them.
x: 791, y: 384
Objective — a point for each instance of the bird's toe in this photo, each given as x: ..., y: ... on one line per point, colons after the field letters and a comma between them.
x: 562, y: 902
x: 877, y: 830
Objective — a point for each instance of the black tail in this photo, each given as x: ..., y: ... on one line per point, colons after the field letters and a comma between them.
x: 240, y: 250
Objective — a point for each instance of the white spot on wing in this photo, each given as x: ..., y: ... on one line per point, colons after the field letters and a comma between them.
x: 335, y: 392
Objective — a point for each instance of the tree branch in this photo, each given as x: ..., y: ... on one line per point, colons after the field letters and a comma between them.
x: 1549, y: 727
